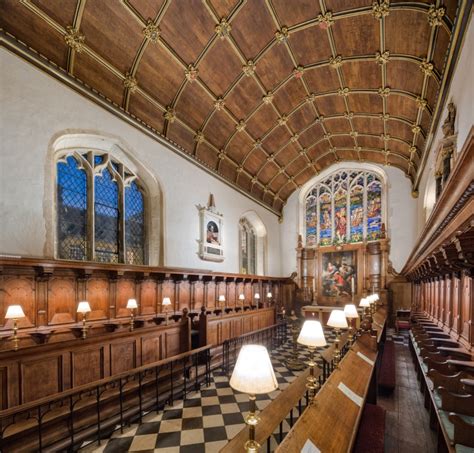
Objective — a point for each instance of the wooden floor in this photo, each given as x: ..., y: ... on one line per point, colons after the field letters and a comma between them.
x: 407, y: 423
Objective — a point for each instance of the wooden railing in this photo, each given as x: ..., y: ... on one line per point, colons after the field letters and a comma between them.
x: 92, y: 411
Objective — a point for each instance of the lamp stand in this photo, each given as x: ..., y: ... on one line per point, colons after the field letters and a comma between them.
x: 252, y: 446
x: 166, y: 317
x: 84, y: 328
x: 366, y: 325
x: 16, y: 341
x: 337, y: 351
x: 132, y: 320
x: 293, y: 363
x: 312, y: 383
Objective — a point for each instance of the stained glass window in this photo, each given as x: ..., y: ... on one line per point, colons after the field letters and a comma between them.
x: 101, y: 212
x: 344, y: 207
x: 248, y: 248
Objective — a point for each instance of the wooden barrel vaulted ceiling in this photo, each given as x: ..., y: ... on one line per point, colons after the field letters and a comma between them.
x: 265, y: 93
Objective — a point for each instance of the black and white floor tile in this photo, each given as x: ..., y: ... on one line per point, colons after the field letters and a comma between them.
x: 206, y: 420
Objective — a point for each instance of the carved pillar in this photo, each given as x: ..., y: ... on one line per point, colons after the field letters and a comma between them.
x: 374, y: 265
x: 455, y: 289
x: 384, y: 249
x: 299, y: 262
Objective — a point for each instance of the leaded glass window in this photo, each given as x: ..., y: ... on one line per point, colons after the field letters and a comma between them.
x: 344, y: 207
x: 248, y: 248
x: 101, y: 210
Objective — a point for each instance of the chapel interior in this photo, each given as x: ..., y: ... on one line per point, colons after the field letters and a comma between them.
x: 236, y: 226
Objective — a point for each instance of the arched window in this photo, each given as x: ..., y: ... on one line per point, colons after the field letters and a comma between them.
x: 344, y: 207
x: 248, y: 248
x: 100, y: 210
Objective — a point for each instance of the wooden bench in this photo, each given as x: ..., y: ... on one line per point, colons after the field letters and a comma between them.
x: 370, y: 438
x: 387, y: 372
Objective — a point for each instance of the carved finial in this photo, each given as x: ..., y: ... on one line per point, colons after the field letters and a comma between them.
x: 219, y: 103
x: 335, y: 62
x: 74, y: 39
x: 257, y: 143
x: 199, y: 137
x: 211, y: 204
x: 240, y: 126
x: 311, y: 97
x: 152, y: 31
x: 294, y: 138
x: 270, y: 158
x: 268, y: 98
x: 130, y: 82
x: 325, y: 20
x: 426, y: 68
x: 191, y: 73
x: 249, y: 68
x: 385, y: 137
x: 223, y: 28
x: 353, y: 134
x: 448, y: 125
x: 422, y: 103
x: 435, y: 15
x: 384, y: 116
x: 384, y: 92
x: 380, y: 8
x: 343, y: 91
x: 282, y: 120
x: 282, y: 35
x: 348, y: 115
x: 170, y: 115
x: 382, y: 57
x: 221, y: 154
x: 416, y: 129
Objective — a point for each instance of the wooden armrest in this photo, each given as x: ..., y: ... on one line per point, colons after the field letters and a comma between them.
x: 463, y: 431
x: 442, y: 367
x: 451, y: 382
x: 454, y: 402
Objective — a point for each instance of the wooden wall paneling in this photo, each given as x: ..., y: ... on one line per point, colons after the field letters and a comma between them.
x: 148, y: 297
x: 125, y: 291
x: 210, y: 294
x: 62, y: 299
x: 98, y: 295
x: 3, y: 388
x: 248, y: 293
x: 455, y: 303
x: 42, y: 281
x: 86, y: 365
x: 221, y: 290
x: 448, y: 302
x: 232, y: 295
x: 152, y: 348
x: 184, y: 294
x: 168, y: 290
x: 40, y: 377
x: 198, y: 294
x: 123, y: 355
x: 466, y: 302
x: 18, y: 290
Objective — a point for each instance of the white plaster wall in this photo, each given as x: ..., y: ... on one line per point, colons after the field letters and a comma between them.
x: 36, y: 108
x: 461, y: 93
x: 401, y: 217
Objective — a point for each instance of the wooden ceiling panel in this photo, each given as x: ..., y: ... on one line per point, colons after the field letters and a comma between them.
x: 404, y: 75
x: 148, y: 9
x: 302, y: 44
x: 148, y: 112
x: 274, y: 66
x: 243, y: 99
x: 276, y: 139
x: 365, y: 103
x: 194, y: 104
x: 219, y: 128
x: 117, y: 43
x: 311, y: 135
x: 296, y: 11
x: 159, y: 74
x: 207, y: 155
x: 187, y: 26
x: 188, y: 58
x: 99, y: 77
x: 363, y: 74
x: 403, y: 24
x: 302, y: 118
x: 364, y: 32
x: 397, y: 161
x: 337, y: 125
x: 368, y: 125
x: 330, y: 105
x: 290, y: 95
x: 62, y: 12
x: 402, y: 106
x: 182, y: 136
x: 253, y: 28
x: 262, y: 120
x: 26, y: 26
x: 216, y: 74
x: 322, y: 79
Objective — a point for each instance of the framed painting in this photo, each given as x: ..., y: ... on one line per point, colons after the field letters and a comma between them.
x: 339, y: 270
x: 211, y: 237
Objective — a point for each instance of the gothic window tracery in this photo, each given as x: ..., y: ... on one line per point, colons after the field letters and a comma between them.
x: 100, y: 210
x: 248, y: 248
x: 344, y: 207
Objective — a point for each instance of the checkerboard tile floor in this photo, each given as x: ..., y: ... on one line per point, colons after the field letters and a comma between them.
x: 207, y: 419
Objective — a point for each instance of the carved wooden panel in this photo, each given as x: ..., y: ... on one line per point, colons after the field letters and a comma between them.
x: 18, y: 290
x: 248, y: 293
x: 210, y: 294
x: 148, y: 294
x: 87, y: 365
x: 231, y: 295
x: 122, y: 356
x: 151, y: 349
x: 97, y: 294
x: 198, y: 295
x: 3, y: 388
x: 172, y: 339
x: 125, y: 291
x: 40, y: 377
x: 62, y: 300
x: 184, y: 294
x: 168, y: 290
x: 466, y: 301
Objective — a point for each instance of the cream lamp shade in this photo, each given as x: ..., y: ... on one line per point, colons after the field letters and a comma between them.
x: 14, y: 312
x: 166, y: 301
x: 83, y: 307
x: 269, y: 295
x: 241, y: 297
x: 253, y: 372
x: 351, y: 311
x: 312, y: 334
x: 337, y: 319
x: 131, y: 304
x: 370, y: 299
x: 221, y: 298
x: 376, y: 297
x: 257, y: 296
x: 364, y: 303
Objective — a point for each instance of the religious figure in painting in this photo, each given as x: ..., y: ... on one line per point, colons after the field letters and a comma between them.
x: 341, y: 224
x: 338, y: 270
x: 212, y: 233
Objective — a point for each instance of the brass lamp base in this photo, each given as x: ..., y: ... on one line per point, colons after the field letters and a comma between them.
x: 337, y: 351
x: 312, y: 382
x: 293, y: 363
x: 252, y: 419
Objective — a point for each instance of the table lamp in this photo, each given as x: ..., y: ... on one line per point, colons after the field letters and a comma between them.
x: 367, y: 323
x: 84, y: 308
x: 312, y: 336
x: 253, y: 374
x: 257, y: 298
x: 166, y: 303
x: 269, y: 297
x: 351, y: 313
x: 132, y: 305
x: 337, y: 320
x: 242, y: 299
x: 222, y: 299
x: 15, y: 312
